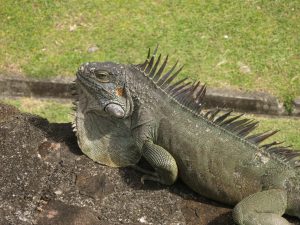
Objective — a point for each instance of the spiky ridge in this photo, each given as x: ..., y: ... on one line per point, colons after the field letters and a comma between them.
x: 191, y: 96
x: 187, y: 94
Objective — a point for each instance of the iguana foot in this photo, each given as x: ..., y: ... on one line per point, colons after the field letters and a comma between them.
x: 151, y: 178
x: 149, y: 175
x: 142, y: 170
x: 262, y: 208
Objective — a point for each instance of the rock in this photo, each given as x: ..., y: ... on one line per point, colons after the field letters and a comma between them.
x: 296, y: 107
x: 73, y: 27
x: 59, y: 213
x: 45, y: 179
x: 243, y: 68
x: 93, y: 49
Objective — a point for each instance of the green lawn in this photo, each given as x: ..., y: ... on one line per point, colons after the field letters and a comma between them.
x: 289, y: 129
x: 254, y: 45
x: 62, y: 112
x: 56, y: 112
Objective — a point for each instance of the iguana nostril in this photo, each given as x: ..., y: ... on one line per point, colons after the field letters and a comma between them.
x: 115, y: 110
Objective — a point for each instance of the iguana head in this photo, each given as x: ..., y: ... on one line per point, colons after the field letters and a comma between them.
x: 105, y: 81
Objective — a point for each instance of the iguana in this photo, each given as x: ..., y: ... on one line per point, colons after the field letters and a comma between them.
x: 125, y: 112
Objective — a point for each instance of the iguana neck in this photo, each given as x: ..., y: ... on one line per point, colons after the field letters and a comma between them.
x: 143, y: 92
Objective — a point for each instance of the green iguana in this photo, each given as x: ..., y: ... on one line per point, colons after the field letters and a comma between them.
x: 125, y: 112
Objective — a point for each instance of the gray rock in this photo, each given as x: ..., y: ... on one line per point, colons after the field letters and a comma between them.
x: 296, y: 109
x: 59, y: 213
x: 93, y: 49
x: 45, y: 179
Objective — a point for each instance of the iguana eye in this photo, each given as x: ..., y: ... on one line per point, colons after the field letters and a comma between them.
x: 102, y: 76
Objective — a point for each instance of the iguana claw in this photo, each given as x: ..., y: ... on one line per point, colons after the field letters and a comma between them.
x: 151, y: 178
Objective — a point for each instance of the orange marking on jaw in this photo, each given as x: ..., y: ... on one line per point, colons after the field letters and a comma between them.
x: 120, y: 91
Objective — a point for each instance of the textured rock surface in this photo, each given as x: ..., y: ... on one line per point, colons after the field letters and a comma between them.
x: 46, y: 180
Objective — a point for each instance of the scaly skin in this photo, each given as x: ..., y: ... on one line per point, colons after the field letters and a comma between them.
x: 179, y: 142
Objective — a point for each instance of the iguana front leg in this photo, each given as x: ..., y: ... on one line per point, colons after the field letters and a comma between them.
x: 262, y: 208
x: 160, y: 159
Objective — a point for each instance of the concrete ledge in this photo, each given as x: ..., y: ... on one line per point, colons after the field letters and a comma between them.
x: 35, y: 88
x: 244, y: 101
x: 254, y: 102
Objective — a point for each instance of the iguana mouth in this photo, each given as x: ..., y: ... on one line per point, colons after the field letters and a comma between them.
x: 115, y: 110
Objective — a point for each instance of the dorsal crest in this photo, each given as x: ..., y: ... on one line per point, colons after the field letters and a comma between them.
x: 191, y: 95
x: 186, y: 93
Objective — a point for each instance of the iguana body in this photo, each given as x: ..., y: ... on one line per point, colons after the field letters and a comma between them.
x: 128, y: 111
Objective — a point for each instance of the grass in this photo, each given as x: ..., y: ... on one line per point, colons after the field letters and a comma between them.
x: 61, y: 113
x: 54, y: 111
x: 254, y: 45
x: 289, y: 129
